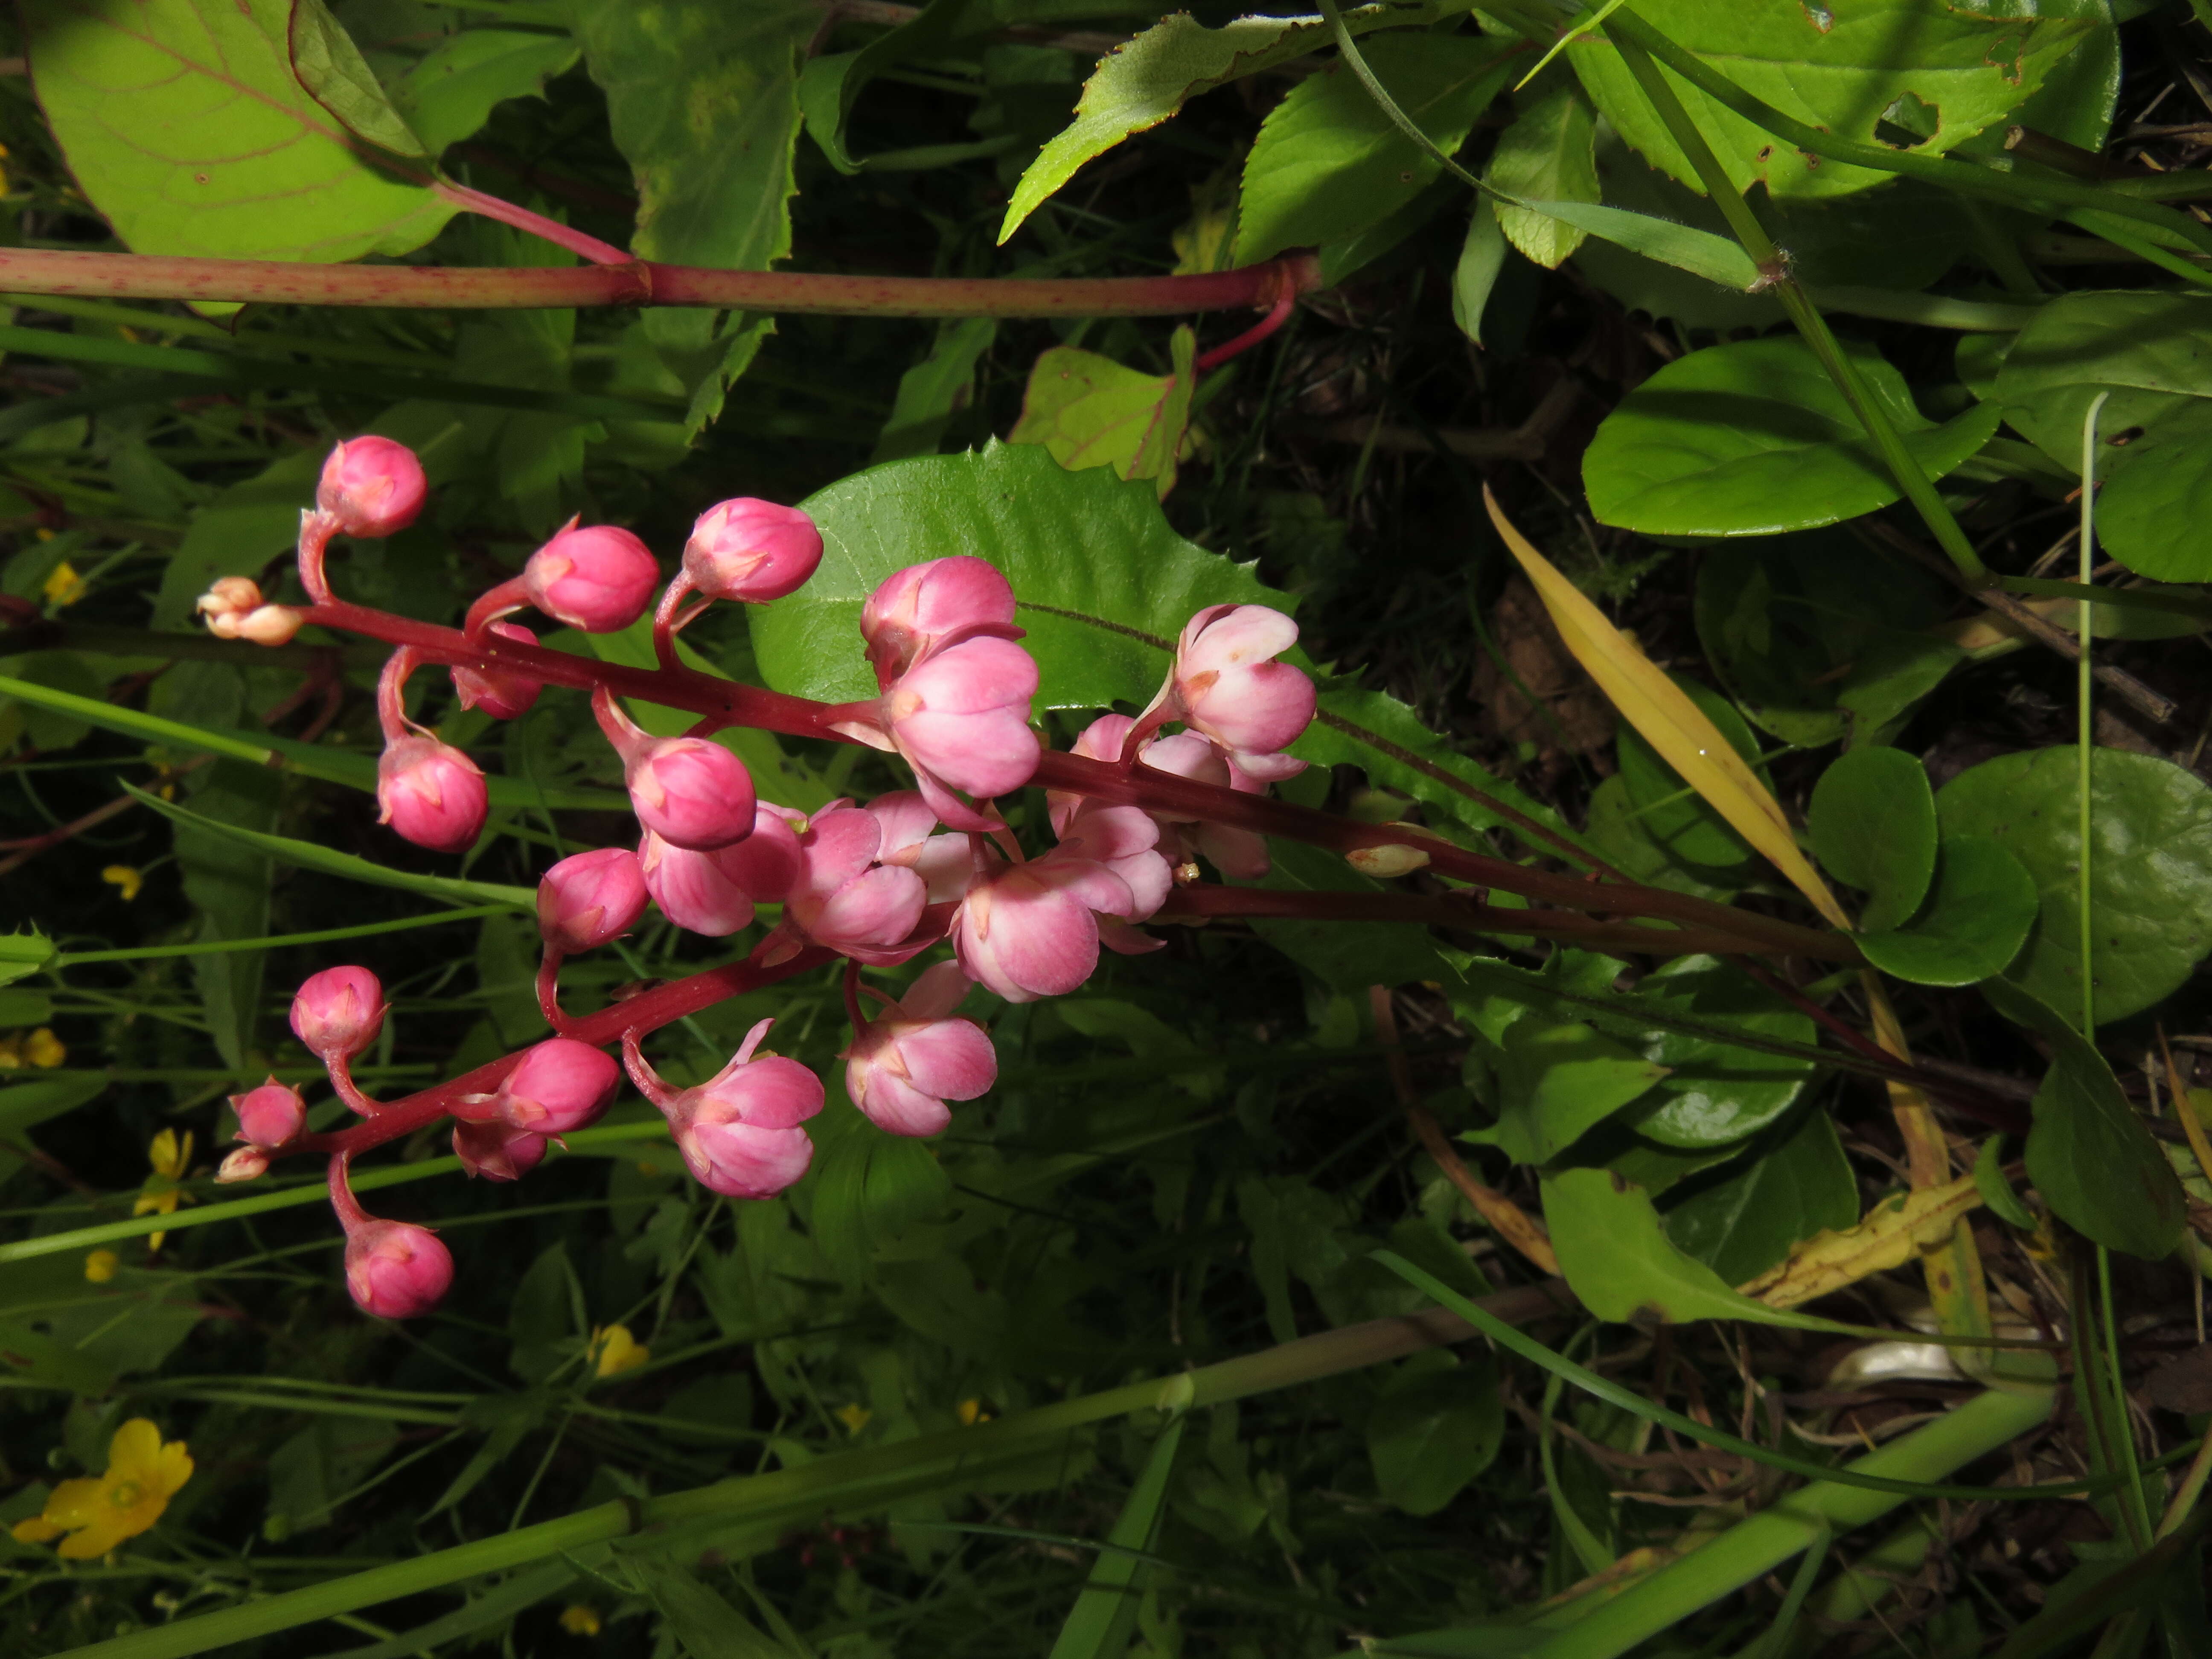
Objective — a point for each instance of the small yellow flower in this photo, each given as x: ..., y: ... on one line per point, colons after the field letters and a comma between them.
x: 617, y: 1351
x: 972, y: 1412
x: 44, y: 1049
x: 854, y: 1417
x: 64, y: 586
x: 123, y: 876
x: 99, y: 1513
x: 580, y: 1620
x: 171, y: 1154
x: 11, y: 1053
x: 100, y: 1267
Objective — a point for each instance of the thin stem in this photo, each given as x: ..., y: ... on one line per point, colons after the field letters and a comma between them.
x: 536, y: 224
x: 644, y: 282
x: 2083, y: 684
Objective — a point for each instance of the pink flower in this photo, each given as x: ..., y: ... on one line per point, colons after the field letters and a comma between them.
x: 738, y: 1132
x: 272, y: 1114
x: 961, y: 718
x: 844, y: 899
x: 751, y: 549
x: 561, y: 1084
x: 1225, y: 687
x: 431, y: 792
x: 912, y: 1058
x: 497, y: 1151
x: 338, y: 1012
x: 372, y: 486
x: 589, y: 899
x: 943, y: 862
x: 1239, y: 855
x: 926, y: 607
x: 502, y: 693
x: 395, y: 1270
x: 598, y: 579
x: 713, y: 893
x: 247, y: 1163
x: 690, y: 792
x: 1032, y: 930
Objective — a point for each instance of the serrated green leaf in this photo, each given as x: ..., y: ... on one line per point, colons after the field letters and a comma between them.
x: 1753, y: 440
x: 330, y: 67
x: 189, y: 130
x: 1549, y: 153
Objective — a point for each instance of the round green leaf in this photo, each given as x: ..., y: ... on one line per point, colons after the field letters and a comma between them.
x: 1434, y: 1430
x: 1753, y: 440
x: 1713, y: 1094
x: 2155, y: 507
x: 1973, y: 924
x: 1872, y: 821
x: 2150, y: 869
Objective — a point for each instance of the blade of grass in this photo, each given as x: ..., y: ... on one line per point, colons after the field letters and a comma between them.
x: 328, y: 936
x: 1098, y: 1625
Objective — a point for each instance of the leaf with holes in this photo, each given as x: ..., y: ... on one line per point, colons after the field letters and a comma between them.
x: 189, y: 129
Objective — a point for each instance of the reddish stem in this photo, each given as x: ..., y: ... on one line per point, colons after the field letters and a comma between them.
x: 646, y: 1012
x: 349, y: 1213
x: 536, y: 224
x: 549, y: 991
x: 1276, y: 317
x: 643, y: 282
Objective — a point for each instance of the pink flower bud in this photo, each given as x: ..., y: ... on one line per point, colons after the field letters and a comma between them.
x: 395, y: 1270
x: 585, y: 900
x: 1225, y: 688
x: 247, y: 1163
x: 913, y: 1058
x: 268, y: 624
x: 598, y: 579
x: 926, y: 607
x: 713, y: 893
x: 497, y: 1151
x: 500, y: 692
x: 942, y: 861
x: 431, y: 792
x: 372, y: 486
x: 561, y: 1084
x: 751, y: 549
x: 738, y: 1132
x: 274, y: 1114
x: 691, y: 792
x: 338, y: 1012
x: 961, y: 718
x: 844, y: 899
x: 1032, y: 930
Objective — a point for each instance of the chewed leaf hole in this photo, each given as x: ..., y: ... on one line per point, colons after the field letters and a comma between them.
x: 1908, y: 123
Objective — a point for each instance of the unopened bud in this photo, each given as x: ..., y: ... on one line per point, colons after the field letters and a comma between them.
x: 751, y: 549
x: 395, y: 1270
x: 271, y: 1116
x: 598, y: 578
x: 270, y: 624
x: 247, y: 1163
x: 1390, y: 859
x: 372, y: 486
x: 561, y: 1084
x: 586, y: 900
x: 690, y: 792
x: 500, y: 692
x: 431, y: 793
x: 497, y: 1151
x: 338, y: 1012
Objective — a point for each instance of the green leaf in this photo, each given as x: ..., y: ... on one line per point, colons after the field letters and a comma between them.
x: 188, y: 129
x: 1700, y: 253
x: 1098, y: 1625
x: 1433, y: 1430
x: 308, y: 856
x: 1146, y: 80
x: 1346, y: 957
x: 865, y: 1190
x: 452, y: 89
x: 1753, y: 439
x: 2151, y: 868
x: 703, y: 102
x: 1550, y: 153
x: 1714, y: 1092
x: 1621, y: 1264
x: 23, y: 954
x: 1818, y: 637
x: 1328, y: 161
x: 1873, y: 824
x: 335, y: 74
x: 1555, y: 1081
x: 311, y: 1470
x: 1481, y: 256
x: 1089, y: 410
x: 1996, y: 1192
x: 830, y: 84
x: 1745, y: 1216
x: 24, y: 1106
x: 2087, y: 1152
x: 1667, y: 810
x: 1973, y: 924
x: 935, y: 390
x: 705, y: 1626
x: 226, y: 878
x: 1844, y: 71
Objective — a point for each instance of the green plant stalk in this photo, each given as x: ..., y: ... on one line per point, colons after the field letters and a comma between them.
x: 2084, y: 688
x: 328, y: 936
x: 1774, y: 268
x: 2133, y: 1504
x: 1752, y: 1548
x: 1967, y: 178
x: 844, y: 1481
x: 2101, y: 225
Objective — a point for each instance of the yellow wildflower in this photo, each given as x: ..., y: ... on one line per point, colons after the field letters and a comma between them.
x: 44, y: 1049
x: 854, y: 1418
x: 972, y: 1412
x: 123, y: 876
x: 580, y: 1620
x: 64, y: 586
x: 99, y: 1513
x: 615, y: 1351
x: 171, y: 1154
x: 101, y: 1266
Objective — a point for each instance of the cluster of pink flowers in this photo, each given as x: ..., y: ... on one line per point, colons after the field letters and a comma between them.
x: 875, y: 884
